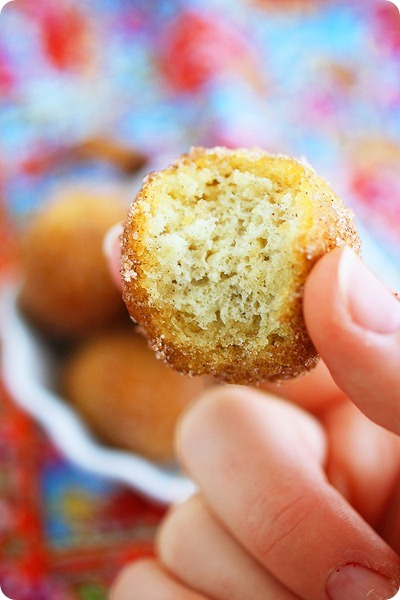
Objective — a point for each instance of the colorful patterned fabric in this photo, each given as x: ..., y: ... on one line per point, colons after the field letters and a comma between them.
x: 64, y: 533
x: 313, y: 78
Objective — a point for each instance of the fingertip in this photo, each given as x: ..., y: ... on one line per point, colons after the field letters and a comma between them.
x: 228, y: 416
x: 207, y: 408
x: 127, y: 579
x: 112, y: 251
x: 146, y: 579
x: 112, y: 241
x: 178, y: 520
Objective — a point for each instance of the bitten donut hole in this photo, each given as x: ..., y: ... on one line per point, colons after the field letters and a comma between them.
x: 216, y: 250
x: 218, y: 233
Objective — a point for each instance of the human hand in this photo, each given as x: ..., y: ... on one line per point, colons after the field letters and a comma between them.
x: 298, y: 489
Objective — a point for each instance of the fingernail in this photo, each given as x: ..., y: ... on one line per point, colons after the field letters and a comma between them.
x: 354, y: 582
x: 370, y: 303
x: 111, y: 239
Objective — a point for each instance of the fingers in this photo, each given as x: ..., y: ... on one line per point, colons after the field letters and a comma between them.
x: 362, y: 457
x: 258, y: 462
x: 354, y: 322
x: 146, y: 580
x: 199, y: 551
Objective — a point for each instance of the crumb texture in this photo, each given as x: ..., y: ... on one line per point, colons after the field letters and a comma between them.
x: 216, y: 250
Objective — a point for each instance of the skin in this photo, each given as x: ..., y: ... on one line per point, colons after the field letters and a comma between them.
x: 299, y: 480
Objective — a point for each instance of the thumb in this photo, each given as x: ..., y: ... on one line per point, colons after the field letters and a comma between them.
x: 354, y: 322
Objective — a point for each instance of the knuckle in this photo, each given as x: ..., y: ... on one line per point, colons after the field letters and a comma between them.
x: 272, y: 528
x: 173, y: 542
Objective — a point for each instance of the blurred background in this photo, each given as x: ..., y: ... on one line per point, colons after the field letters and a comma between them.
x: 100, y: 92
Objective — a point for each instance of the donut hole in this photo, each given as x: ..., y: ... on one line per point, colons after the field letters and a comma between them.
x: 226, y: 240
x: 216, y: 250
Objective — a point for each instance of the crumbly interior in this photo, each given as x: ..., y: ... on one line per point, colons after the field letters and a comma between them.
x: 227, y: 242
x: 215, y: 252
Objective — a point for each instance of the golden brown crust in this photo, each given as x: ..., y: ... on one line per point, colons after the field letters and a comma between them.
x: 127, y: 397
x: 322, y: 223
x: 67, y: 289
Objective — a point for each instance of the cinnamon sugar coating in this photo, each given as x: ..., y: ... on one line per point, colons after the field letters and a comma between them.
x: 216, y: 250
